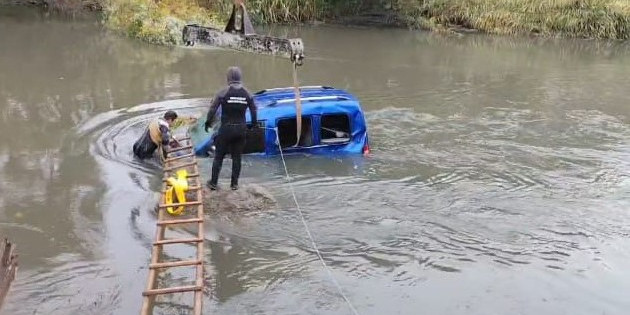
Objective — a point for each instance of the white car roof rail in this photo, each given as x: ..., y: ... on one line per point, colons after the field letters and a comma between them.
x: 292, y: 87
x: 314, y: 98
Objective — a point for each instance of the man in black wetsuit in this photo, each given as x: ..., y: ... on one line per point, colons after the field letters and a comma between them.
x: 157, y: 135
x: 234, y: 100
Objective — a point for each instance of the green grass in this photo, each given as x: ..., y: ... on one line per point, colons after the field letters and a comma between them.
x: 276, y: 11
x: 283, y: 11
x: 161, y: 21
x: 572, y: 18
x: 155, y: 22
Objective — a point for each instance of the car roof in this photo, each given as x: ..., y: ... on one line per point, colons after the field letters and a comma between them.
x: 286, y: 96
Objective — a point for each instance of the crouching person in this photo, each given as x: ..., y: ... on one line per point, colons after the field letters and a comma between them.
x: 157, y: 135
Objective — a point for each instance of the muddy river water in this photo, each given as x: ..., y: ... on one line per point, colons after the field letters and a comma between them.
x: 498, y: 183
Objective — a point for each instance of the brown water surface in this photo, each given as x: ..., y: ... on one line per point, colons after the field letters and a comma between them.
x: 499, y: 180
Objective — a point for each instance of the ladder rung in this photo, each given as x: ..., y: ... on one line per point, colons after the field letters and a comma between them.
x: 192, y: 188
x: 169, y: 264
x: 168, y: 169
x: 172, y: 290
x: 188, y: 176
x: 180, y: 240
x: 179, y: 157
x: 189, y: 203
x: 180, y: 148
x: 179, y: 221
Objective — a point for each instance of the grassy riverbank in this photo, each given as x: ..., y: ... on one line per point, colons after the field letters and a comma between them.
x: 161, y: 21
x: 155, y: 22
x: 572, y: 18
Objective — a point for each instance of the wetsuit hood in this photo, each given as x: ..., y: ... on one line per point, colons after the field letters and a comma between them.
x: 234, y: 75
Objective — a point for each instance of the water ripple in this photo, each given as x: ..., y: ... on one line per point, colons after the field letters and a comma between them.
x: 68, y: 286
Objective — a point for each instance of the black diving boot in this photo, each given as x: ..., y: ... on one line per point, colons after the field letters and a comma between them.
x: 211, y: 185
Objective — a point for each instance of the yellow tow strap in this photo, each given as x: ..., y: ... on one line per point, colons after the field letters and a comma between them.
x: 179, y: 187
x: 298, y: 104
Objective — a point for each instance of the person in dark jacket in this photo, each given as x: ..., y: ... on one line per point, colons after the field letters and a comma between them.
x: 157, y: 135
x: 234, y: 100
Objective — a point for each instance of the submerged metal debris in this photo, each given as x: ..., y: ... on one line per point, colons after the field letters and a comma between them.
x: 239, y: 34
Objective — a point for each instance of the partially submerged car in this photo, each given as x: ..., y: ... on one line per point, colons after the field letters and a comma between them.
x: 332, y: 123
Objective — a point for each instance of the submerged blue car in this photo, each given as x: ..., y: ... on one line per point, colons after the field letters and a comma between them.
x: 332, y: 122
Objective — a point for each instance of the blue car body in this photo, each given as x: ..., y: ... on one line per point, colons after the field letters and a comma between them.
x: 332, y: 122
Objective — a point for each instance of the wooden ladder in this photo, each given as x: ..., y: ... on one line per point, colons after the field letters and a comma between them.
x: 182, y: 157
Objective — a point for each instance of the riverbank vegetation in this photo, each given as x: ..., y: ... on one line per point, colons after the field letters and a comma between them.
x: 572, y: 18
x: 162, y: 21
x: 159, y: 22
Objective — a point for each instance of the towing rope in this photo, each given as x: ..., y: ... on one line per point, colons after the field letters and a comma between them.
x: 298, y: 104
x: 308, y: 230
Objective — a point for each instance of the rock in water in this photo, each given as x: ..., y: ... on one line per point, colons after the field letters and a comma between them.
x: 247, y: 198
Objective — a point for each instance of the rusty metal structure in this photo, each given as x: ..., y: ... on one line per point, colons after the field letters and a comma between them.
x: 239, y: 34
x: 180, y: 158
x: 8, y: 268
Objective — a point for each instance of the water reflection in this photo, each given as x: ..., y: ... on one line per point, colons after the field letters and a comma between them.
x: 492, y: 158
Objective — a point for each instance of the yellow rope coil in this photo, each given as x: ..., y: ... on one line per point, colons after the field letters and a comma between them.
x: 177, y: 190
